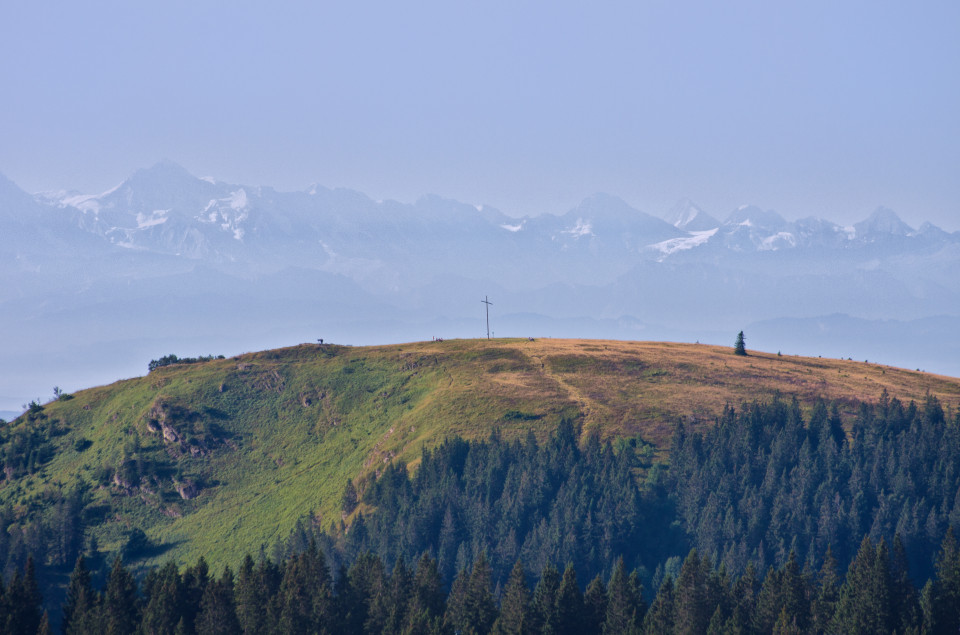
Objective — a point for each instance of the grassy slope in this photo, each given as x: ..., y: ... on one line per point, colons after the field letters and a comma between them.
x: 295, y: 423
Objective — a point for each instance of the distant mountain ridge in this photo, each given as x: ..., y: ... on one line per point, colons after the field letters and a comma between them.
x: 165, y: 209
x: 92, y: 285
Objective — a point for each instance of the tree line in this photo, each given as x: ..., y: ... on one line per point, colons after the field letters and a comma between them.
x: 300, y: 595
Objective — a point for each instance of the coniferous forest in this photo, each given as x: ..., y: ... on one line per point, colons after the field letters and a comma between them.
x: 771, y: 520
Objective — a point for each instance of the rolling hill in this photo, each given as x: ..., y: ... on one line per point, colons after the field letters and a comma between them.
x: 219, y: 457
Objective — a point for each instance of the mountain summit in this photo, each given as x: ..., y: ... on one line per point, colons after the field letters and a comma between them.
x: 686, y: 215
x: 883, y: 221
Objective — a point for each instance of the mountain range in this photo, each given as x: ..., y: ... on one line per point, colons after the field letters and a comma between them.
x: 93, y: 286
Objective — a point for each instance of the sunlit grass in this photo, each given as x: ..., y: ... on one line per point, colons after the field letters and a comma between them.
x: 298, y: 422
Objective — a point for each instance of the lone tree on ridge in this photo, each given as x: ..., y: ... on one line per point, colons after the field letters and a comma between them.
x: 739, y: 348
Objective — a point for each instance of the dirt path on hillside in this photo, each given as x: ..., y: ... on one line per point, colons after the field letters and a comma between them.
x: 588, y: 408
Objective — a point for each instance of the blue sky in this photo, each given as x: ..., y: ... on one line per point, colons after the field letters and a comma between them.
x: 812, y: 108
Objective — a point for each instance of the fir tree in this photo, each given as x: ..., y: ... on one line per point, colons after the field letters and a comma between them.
x: 624, y: 603
x: 21, y: 602
x: 255, y: 588
x: 569, y: 604
x: 864, y: 602
x: 941, y: 601
x: 164, y: 600
x: 739, y: 348
x: 659, y: 619
x: 594, y: 606
x: 218, y: 613
x: 80, y: 606
x: 828, y: 591
x: 120, y: 610
x: 514, y: 618
x: 544, y: 605
x: 470, y: 605
x: 693, y: 606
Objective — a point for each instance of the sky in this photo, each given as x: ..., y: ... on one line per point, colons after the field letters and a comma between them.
x: 828, y: 109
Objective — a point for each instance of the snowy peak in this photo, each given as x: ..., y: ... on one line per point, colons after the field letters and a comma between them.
x: 686, y: 215
x: 883, y: 222
x: 753, y: 216
x: 610, y: 217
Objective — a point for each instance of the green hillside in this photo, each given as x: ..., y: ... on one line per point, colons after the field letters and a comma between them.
x: 219, y: 457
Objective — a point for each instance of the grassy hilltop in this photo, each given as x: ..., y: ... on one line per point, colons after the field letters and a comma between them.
x: 217, y: 458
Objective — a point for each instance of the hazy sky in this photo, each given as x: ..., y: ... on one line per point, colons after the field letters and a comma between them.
x: 810, y: 108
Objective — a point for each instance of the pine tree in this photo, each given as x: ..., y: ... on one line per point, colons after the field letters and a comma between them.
x: 21, y: 602
x: 255, y: 589
x: 739, y: 348
x: 624, y: 603
x: 45, y: 628
x: 784, y: 591
x: 828, y: 591
x: 80, y: 606
x: 594, y: 606
x: 304, y: 598
x: 399, y: 594
x: 941, y: 602
x: 514, y: 618
x: 195, y: 580
x: 218, y: 613
x: 120, y: 610
x: 544, y: 605
x: 428, y: 593
x: 905, y: 609
x: 569, y: 603
x: 164, y: 600
x: 864, y: 602
x: 470, y: 605
x: 484, y: 609
x: 693, y: 605
x: 659, y: 619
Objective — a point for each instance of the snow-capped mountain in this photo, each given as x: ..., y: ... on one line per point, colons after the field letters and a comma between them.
x: 166, y: 262
x: 687, y: 216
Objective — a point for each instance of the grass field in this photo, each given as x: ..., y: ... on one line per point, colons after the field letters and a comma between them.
x: 278, y: 433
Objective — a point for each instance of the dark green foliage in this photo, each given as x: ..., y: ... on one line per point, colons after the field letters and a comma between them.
x: 170, y: 359
x: 739, y: 348
x: 348, y: 501
x: 136, y: 545
x: 761, y: 483
x: 120, y: 609
x: 594, y: 606
x: 827, y: 594
x: 470, y: 605
x: 544, y: 606
x: 306, y: 593
x: 694, y: 599
x: 941, y: 596
x: 164, y: 600
x: 218, y: 614
x: 515, y: 618
x: 256, y: 588
x: 20, y: 610
x: 541, y: 503
x: 762, y: 490
x: 25, y: 445
x: 865, y: 601
x: 659, y: 619
x: 80, y: 607
x: 298, y: 597
x: 784, y: 597
x: 569, y: 604
x: 624, y: 602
